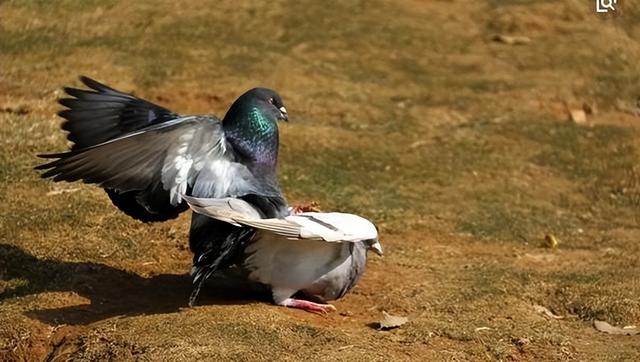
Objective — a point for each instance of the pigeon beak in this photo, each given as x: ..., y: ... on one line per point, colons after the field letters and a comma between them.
x: 283, y: 114
x: 377, y: 248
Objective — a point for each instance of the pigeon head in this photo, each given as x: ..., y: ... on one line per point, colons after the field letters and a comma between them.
x: 273, y: 103
x: 374, y: 245
x: 265, y: 101
x: 251, y: 124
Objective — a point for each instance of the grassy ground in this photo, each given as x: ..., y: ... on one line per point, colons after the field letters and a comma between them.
x: 407, y: 112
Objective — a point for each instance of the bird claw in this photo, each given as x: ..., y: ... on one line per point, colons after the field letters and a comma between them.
x: 310, y: 206
x: 326, y: 308
x: 318, y: 308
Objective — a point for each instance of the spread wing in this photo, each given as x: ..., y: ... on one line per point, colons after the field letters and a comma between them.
x: 102, y: 113
x: 145, y: 156
x: 183, y: 153
x: 330, y: 227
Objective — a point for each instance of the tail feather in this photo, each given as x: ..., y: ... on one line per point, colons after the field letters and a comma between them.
x: 216, y: 245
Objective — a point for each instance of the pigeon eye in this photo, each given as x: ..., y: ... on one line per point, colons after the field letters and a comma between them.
x: 271, y: 100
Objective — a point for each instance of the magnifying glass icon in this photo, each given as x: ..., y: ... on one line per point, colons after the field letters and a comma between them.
x: 608, y: 4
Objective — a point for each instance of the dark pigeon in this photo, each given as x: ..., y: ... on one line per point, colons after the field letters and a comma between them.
x: 146, y: 157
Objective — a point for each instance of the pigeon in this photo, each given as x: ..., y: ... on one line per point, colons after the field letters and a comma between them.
x: 146, y: 158
x: 320, y: 255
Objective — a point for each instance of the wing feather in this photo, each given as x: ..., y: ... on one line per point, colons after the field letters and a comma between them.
x: 330, y: 227
x: 166, y: 152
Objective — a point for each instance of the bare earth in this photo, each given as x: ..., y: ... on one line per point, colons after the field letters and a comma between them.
x: 408, y: 112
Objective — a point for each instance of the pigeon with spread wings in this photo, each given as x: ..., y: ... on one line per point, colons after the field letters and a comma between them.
x: 321, y: 255
x: 146, y: 157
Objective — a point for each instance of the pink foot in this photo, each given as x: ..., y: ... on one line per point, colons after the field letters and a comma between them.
x: 311, y: 206
x: 308, y: 306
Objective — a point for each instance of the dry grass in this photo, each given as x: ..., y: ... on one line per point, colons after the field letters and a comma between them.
x: 406, y: 112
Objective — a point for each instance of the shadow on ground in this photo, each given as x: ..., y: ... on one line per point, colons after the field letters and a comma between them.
x: 112, y: 292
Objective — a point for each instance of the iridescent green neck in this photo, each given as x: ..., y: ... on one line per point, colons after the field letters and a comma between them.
x: 258, y: 123
x: 253, y: 134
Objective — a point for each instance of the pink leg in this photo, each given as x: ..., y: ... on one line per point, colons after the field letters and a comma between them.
x: 308, y: 306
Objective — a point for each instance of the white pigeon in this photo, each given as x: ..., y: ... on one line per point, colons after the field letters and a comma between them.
x: 321, y: 255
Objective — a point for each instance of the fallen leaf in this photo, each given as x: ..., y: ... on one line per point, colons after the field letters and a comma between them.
x: 550, y: 241
x: 609, y: 329
x: 512, y: 39
x: 546, y: 311
x: 390, y: 321
x: 578, y: 116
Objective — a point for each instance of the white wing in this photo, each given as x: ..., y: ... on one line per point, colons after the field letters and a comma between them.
x: 331, y: 227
